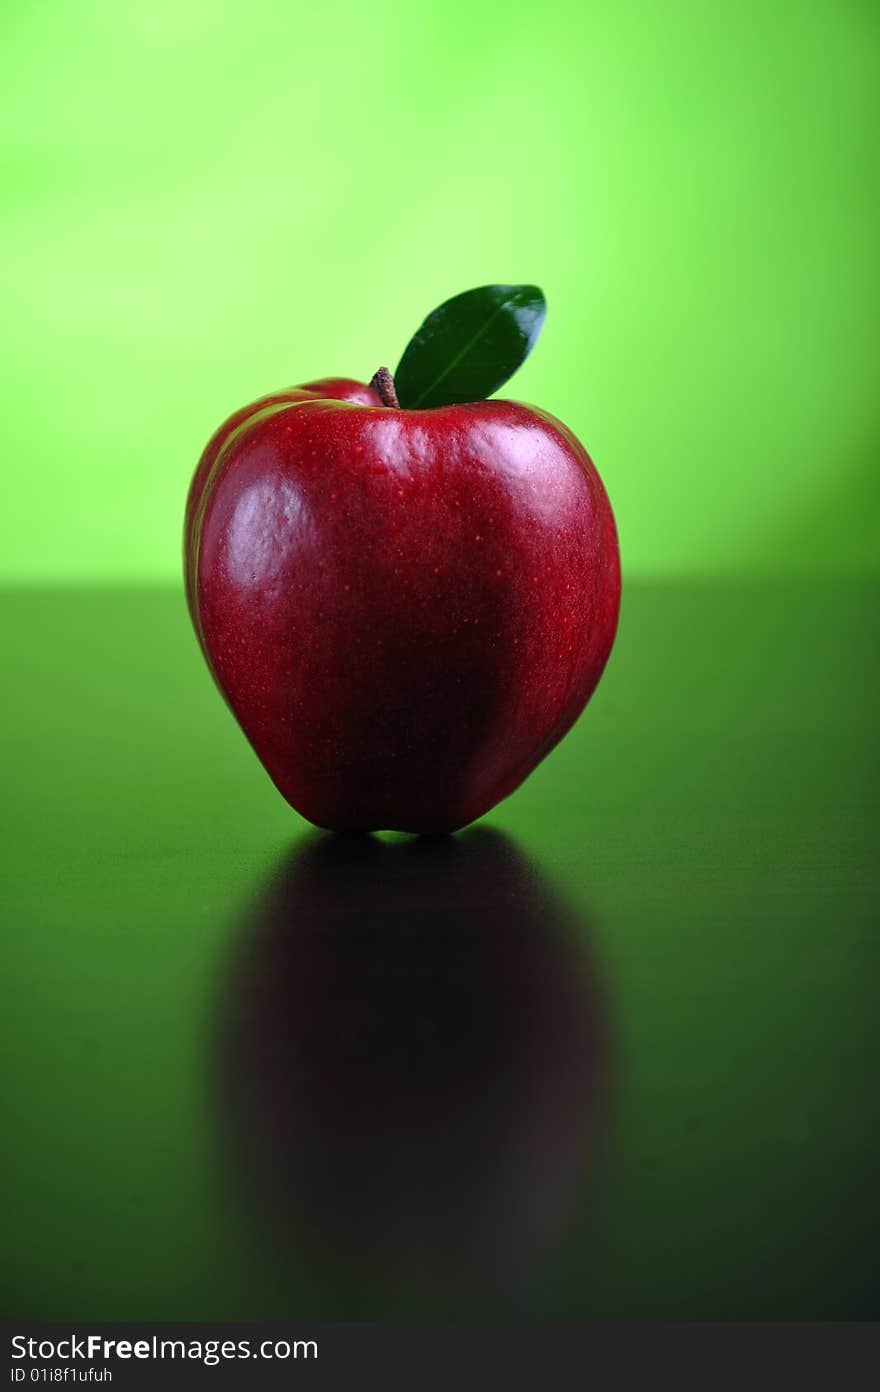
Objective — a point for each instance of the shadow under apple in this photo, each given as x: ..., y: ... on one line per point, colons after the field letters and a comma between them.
x: 412, y: 1053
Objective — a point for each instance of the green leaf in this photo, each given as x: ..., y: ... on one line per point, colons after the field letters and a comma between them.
x: 469, y: 347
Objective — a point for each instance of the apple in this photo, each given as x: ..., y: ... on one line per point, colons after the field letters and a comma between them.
x: 406, y: 608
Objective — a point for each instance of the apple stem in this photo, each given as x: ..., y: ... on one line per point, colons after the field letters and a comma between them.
x: 383, y: 385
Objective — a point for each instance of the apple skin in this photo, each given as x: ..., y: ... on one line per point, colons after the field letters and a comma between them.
x: 405, y: 610
x: 332, y: 388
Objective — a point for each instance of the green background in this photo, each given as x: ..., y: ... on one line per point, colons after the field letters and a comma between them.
x: 205, y: 202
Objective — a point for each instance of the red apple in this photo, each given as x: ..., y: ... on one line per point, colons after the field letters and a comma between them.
x: 405, y: 609
x: 407, y: 593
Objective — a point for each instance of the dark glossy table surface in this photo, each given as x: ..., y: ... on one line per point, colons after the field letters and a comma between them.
x: 611, y: 1054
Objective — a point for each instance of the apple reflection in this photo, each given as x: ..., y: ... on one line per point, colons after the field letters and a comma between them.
x: 413, y: 1061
